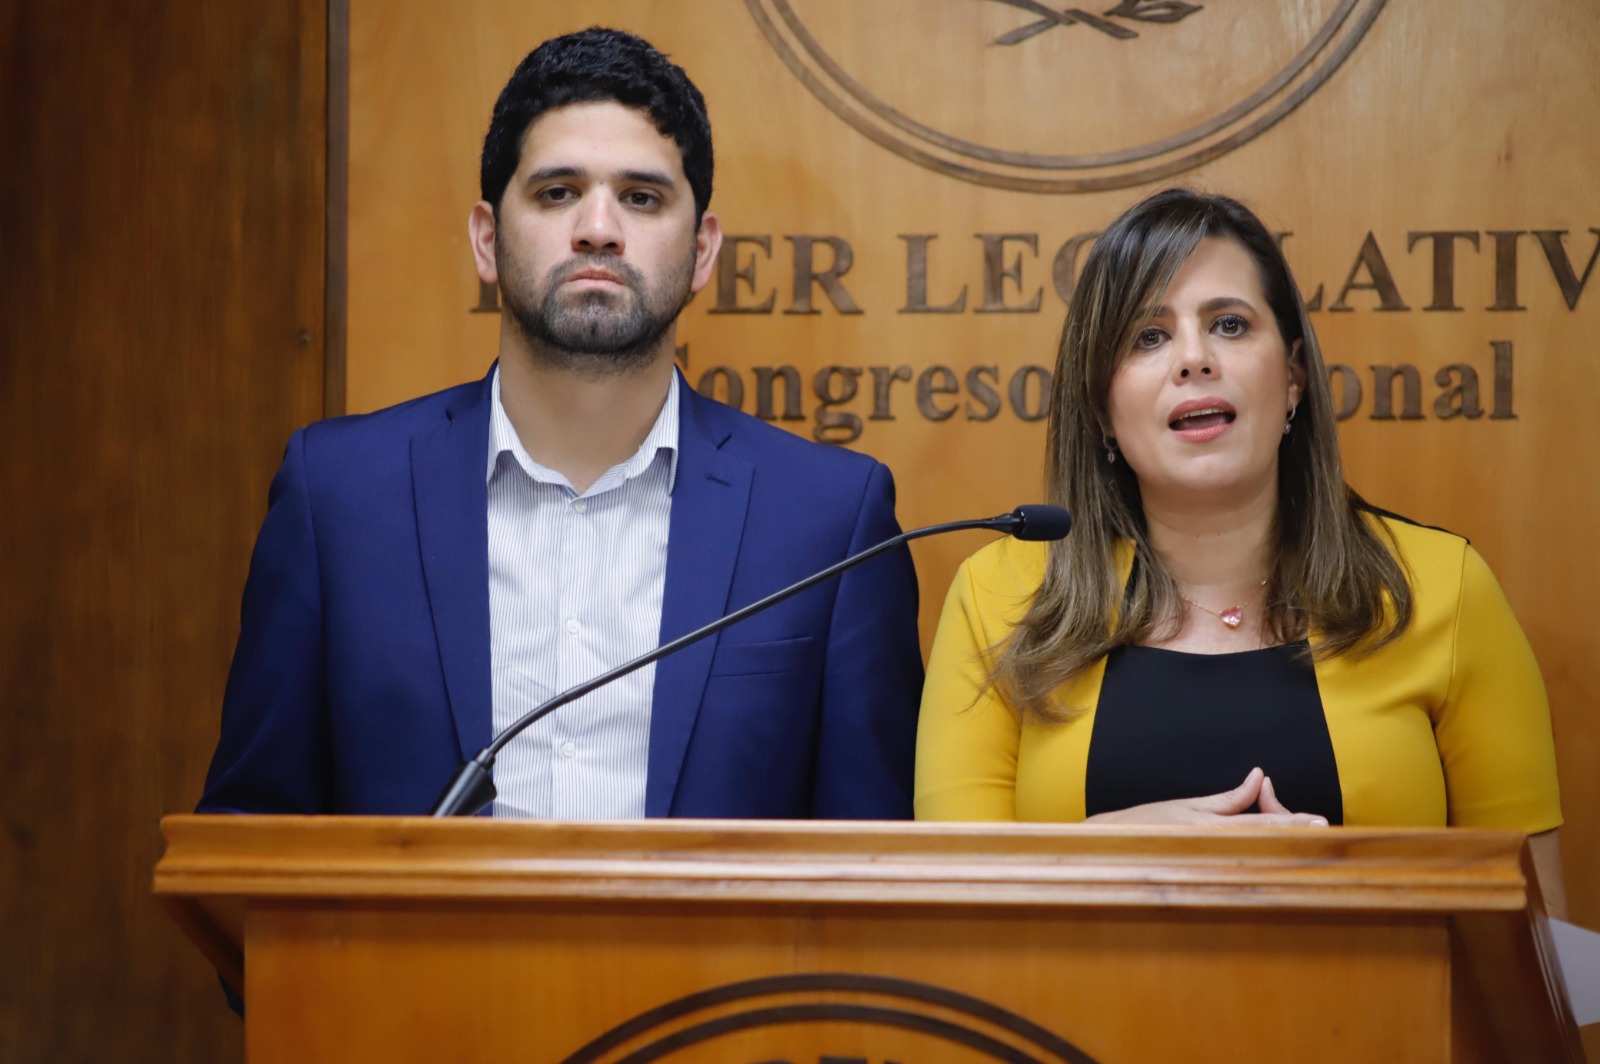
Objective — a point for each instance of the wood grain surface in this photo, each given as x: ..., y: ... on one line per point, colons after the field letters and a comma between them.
x: 161, y: 219
x: 382, y: 939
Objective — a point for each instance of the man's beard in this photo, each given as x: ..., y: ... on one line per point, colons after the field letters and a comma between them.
x: 596, y: 332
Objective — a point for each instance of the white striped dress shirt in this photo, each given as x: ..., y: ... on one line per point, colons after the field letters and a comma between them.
x: 575, y: 587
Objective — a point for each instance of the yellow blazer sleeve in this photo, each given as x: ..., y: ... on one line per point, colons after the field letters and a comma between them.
x: 1493, y: 730
x: 967, y: 736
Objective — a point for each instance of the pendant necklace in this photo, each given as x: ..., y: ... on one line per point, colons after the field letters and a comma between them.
x: 1233, y: 616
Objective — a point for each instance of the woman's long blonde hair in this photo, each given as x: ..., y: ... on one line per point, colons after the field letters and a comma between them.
x: 1331, y: 571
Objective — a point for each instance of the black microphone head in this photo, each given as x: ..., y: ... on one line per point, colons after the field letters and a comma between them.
x: 1038, y: 521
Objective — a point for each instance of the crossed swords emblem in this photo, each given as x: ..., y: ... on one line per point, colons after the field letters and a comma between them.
x: 1135, y: 10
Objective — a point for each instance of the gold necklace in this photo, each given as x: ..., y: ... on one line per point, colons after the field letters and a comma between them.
x: 1233, y: 616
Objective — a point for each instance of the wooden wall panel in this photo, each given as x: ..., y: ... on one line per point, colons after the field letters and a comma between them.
x: 161, y: 332
x: 1476, y: 117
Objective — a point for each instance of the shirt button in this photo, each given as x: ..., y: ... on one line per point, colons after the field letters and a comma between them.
x: 573, y: 627
x: 568, y: 749
x: 580, y: 505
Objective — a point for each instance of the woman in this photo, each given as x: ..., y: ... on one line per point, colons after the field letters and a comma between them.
x: 1228, y: 628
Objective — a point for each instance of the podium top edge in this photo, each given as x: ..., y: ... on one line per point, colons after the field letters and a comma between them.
x: 836, y: 829
x: 814, y: 862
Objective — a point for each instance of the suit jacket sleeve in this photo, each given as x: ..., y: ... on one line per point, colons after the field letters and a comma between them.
x: 872, y: 677
x: 273, y: 753
x: 1493, y: 730
x: 969, y: 737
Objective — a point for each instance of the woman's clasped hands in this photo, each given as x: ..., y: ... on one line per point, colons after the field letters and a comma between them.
x: 1226, y: 808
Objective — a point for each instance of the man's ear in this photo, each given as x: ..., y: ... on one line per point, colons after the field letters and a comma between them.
x: 707, y: 242
x: 481, y: 227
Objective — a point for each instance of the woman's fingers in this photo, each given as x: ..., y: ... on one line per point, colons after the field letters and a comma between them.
x: 1228, y: 807
x: 1268, y: 799
x: 1277, y: 820
x: 1230, y: 803
x: 1274, y: 812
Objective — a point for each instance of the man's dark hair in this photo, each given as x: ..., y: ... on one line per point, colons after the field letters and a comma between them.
x: 598, y: 64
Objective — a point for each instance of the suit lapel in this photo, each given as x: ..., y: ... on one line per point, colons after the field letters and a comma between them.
x: 709, y: 498
x: 447, y: 470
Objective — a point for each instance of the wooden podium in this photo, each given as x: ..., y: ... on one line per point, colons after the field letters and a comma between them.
x: 390, y: 940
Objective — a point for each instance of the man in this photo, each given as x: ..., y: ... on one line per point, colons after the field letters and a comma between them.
x: 428, y: 573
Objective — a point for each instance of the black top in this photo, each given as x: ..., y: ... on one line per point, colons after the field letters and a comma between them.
x: 1177, y: 725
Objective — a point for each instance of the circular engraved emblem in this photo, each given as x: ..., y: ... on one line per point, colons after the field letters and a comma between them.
x: 1040, y: 97
x: 846, y: 1015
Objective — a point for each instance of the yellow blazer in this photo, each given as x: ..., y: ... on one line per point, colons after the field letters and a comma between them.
x: 1448, y: 725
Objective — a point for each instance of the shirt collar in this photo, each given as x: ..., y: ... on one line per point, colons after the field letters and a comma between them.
x: 663, y: 436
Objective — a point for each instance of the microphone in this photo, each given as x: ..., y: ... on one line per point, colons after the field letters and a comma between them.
x: 471, y: 789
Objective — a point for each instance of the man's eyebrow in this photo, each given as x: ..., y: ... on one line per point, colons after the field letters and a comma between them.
x: 659, y: 178
x: 550, y: 173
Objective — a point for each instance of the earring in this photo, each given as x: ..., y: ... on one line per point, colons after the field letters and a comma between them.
x: 1287, y: 422
x: 1110, y: 444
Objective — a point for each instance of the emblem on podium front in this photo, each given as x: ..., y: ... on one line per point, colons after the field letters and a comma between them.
x: 844, y: 1018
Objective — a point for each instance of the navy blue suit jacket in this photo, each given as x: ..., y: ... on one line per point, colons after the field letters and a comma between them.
x: 362, y: 674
